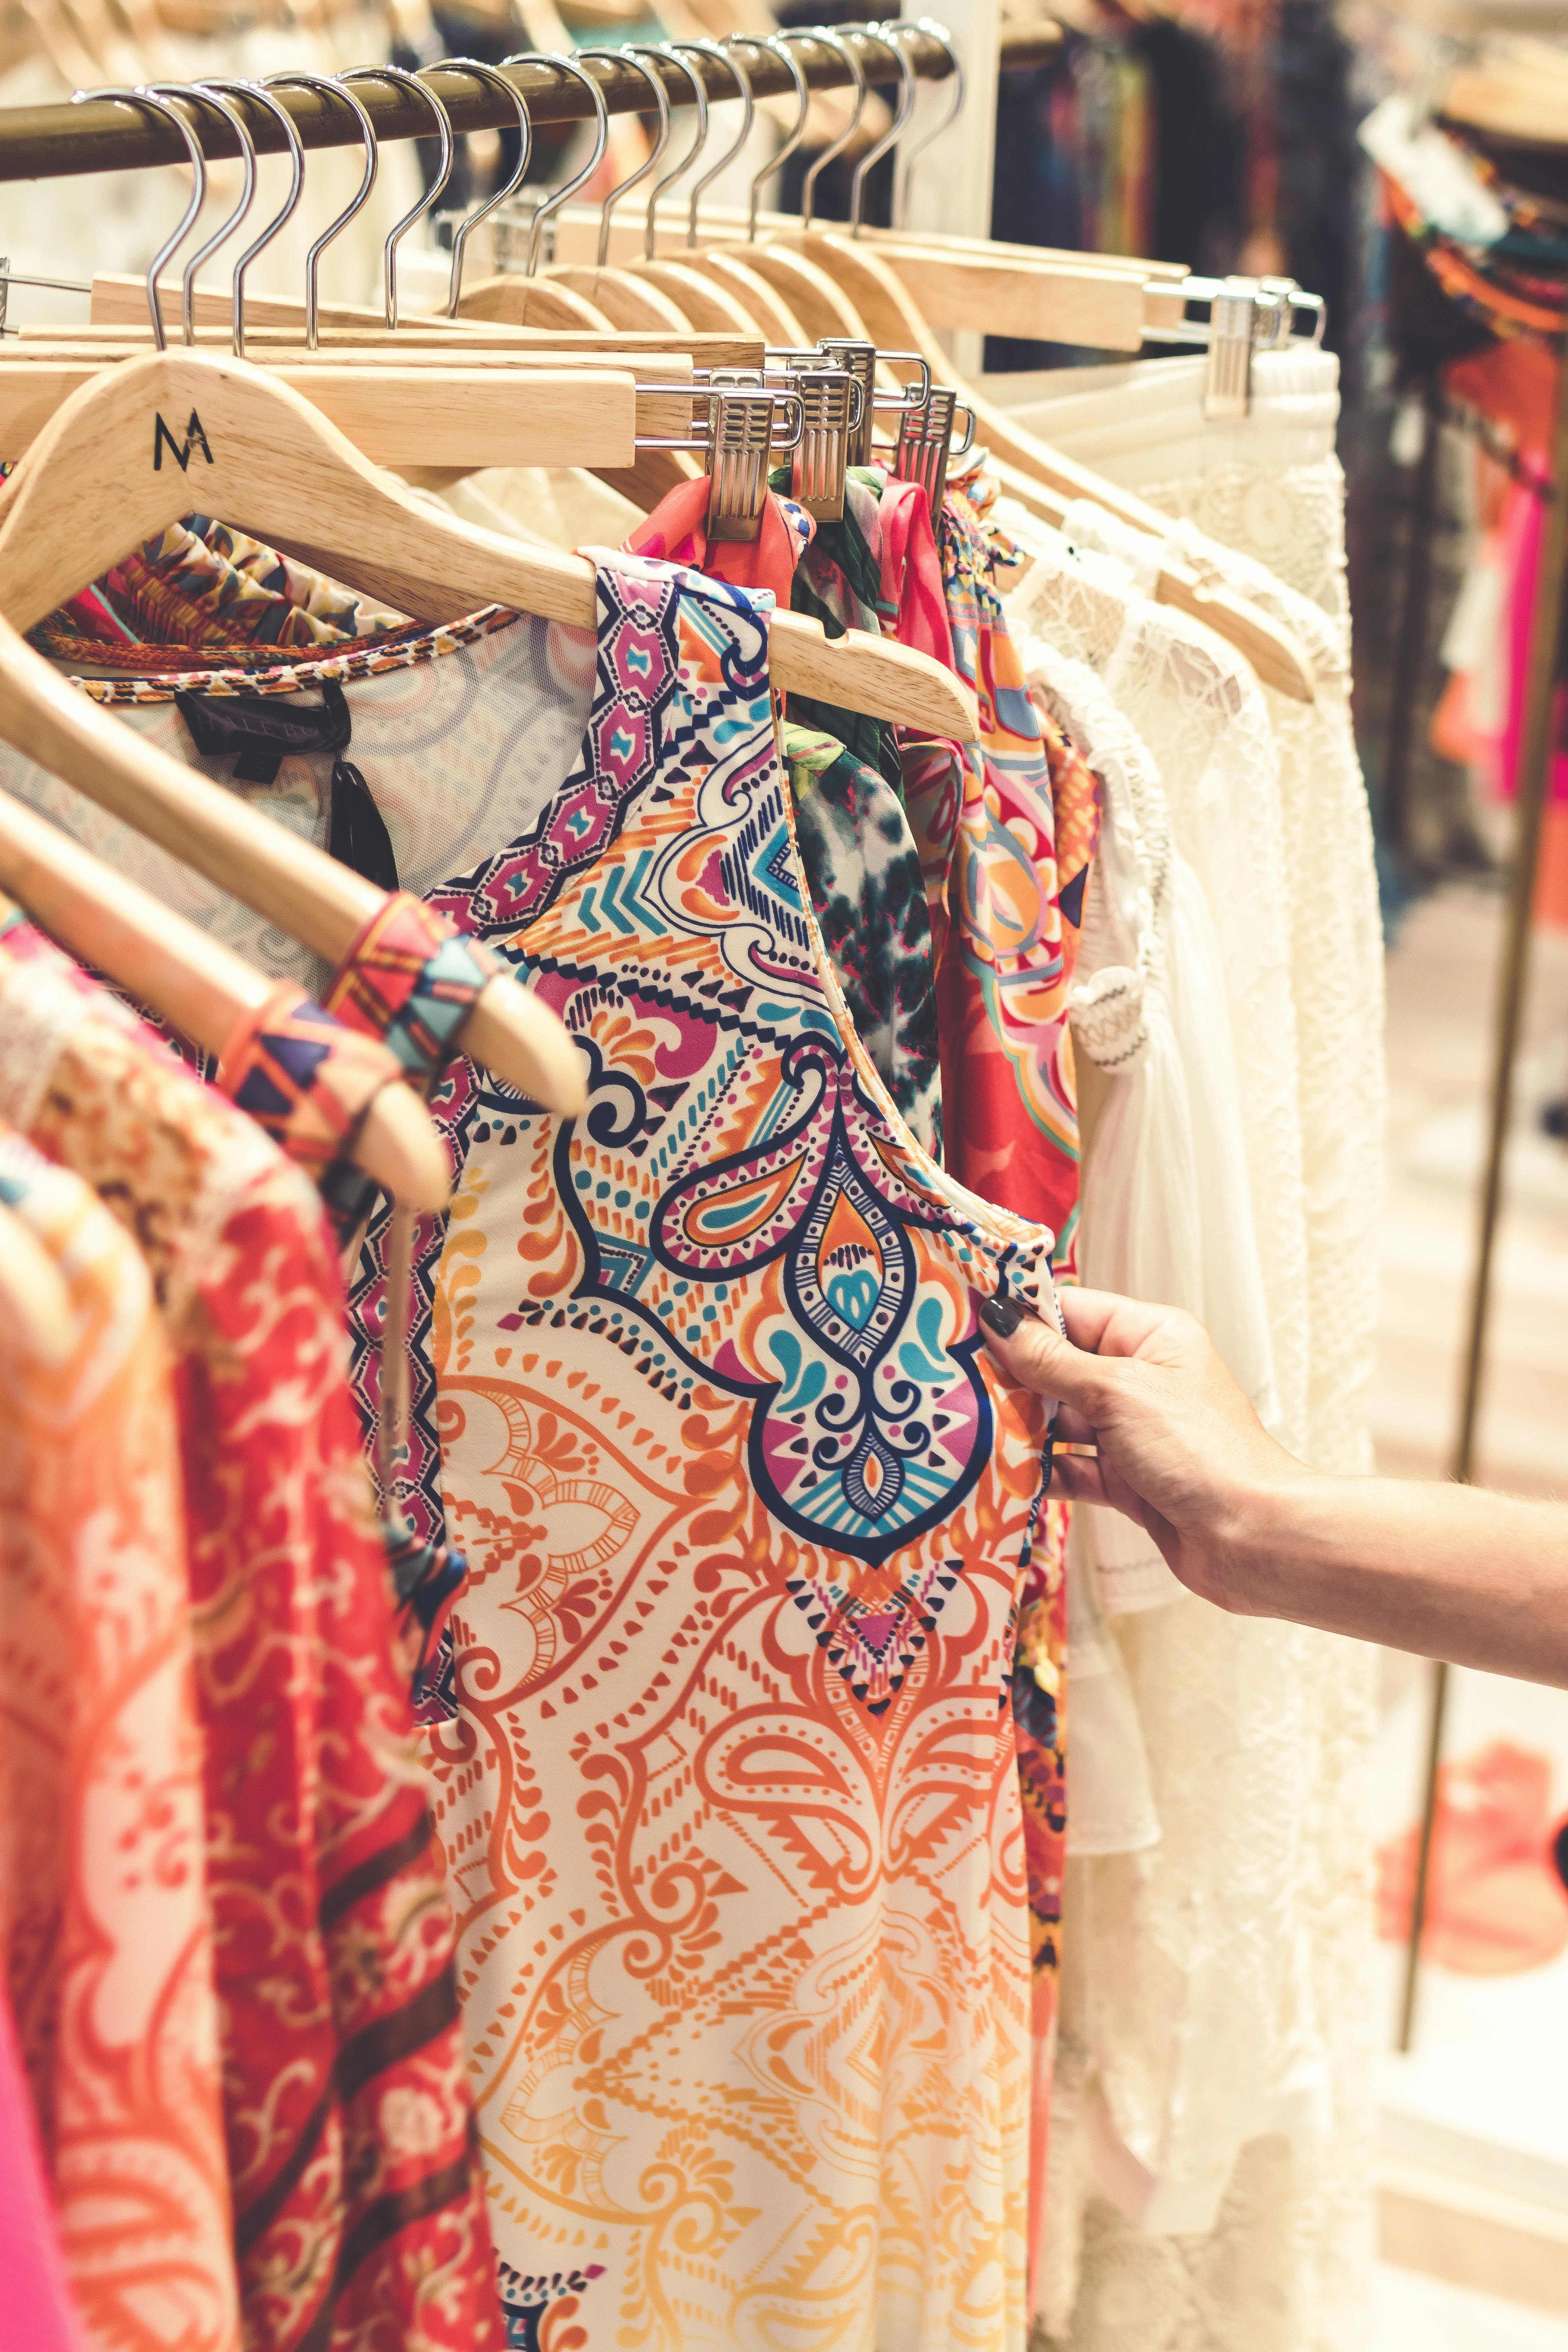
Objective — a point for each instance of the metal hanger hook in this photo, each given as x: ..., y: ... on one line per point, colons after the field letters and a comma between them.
x: 661, y: 100
x: 775, y: 44
x: 402, y: 79
x: 943, y: 38
x: 888, y: 35
x: 166, y: 252
x: 743, y: 80
x: 514, y: 96
x: 564, y: 194
x: 262, y: 97
x: 225, y: 229
x: 830, y: 40
x: 699, y: 100
x: 334, y: 89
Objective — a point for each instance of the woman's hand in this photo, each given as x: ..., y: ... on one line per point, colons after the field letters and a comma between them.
x: 1447, y: 1571
x: 1179, y: 1447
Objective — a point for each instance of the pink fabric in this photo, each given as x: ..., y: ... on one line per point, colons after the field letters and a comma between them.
x: 34, y: 2294
x: 1521, y: 529
x: 911, y: 573
x: 676, y: 532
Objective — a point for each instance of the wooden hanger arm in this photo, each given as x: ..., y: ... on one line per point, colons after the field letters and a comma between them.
x: 1270, y: 649
x: 193, y: 981
x: 307, y: 895
x: 1104, y: 310
x: 121, y: 303
x: 399, y: 415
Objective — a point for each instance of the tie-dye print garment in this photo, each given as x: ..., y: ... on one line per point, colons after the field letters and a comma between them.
x: 730, y: 1791
x: 863, y: 872
x: 1009, y: 1100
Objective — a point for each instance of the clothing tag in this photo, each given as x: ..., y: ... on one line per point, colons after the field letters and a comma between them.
x: 258, y: 732
x: 261, y: 732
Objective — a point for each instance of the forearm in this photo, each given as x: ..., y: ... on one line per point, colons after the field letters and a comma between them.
x: 1447, y: 1571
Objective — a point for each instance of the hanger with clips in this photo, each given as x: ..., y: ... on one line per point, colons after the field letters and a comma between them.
x: 865, y: 298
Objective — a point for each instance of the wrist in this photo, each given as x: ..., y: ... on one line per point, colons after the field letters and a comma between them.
x: 1262, y: 1537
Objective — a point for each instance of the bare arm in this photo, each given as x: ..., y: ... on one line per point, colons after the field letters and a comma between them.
x: 1448, y: 1571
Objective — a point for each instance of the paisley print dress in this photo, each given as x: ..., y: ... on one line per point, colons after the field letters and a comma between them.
x: 730, y: 1793
x: 728, y: 1779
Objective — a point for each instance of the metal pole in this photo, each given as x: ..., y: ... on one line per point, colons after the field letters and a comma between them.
x: 101, y: 135
x: 1534, y: 771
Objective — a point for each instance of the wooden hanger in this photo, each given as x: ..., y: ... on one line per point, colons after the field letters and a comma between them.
x: 507, y: 410
x: 193, y: 981
x: 275, y: 467
x: 273, y: 321
x: 310, y: 896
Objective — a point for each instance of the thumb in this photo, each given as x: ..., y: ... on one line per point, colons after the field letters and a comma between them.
x: 1037, y: 1355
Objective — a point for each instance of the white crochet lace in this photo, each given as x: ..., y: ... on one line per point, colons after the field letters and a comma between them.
x: 1211, y: 2156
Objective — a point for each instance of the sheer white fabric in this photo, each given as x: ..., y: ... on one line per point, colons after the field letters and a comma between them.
x: 1166, y: 1199
x: 1198, y: 710
x: 1211, y: 2159
x: 1268, y: 482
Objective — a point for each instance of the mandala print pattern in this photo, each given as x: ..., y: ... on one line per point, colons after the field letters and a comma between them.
x: 731, y: 1798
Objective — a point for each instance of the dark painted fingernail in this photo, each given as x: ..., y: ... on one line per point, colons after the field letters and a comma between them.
x: 1004, y: 1315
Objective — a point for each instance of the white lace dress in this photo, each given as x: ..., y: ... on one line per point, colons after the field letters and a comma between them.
x: 1213, y: 2114
x: 1269, y: 483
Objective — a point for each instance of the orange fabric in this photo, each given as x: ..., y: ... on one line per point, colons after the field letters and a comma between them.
x: 1552, y: 869
x: 104, y: 1925
x: 1513, y: 383
x: 1495, y: 1906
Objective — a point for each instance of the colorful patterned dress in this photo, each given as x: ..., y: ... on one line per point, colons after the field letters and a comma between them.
x: 105, y: 1934
x: 358, y: 2216
x: 785, y: 2070
x: 730, y: 1793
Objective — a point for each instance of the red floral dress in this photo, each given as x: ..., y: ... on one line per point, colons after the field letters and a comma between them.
x: 359, y: 2212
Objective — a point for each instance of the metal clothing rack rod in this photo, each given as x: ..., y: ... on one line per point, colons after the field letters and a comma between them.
x: 40, y: 142
x: 1542, y: 680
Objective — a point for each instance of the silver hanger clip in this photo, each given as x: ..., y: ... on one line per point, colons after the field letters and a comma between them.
x: 1246, y: 315
x: 834, y: 409
x: 743, y: 418
x: 859, y: 358
x: 925, y: 443
x: 832, y: 406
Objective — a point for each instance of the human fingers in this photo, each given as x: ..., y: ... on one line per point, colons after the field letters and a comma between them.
x: 1077, y: 1478
x: 1070, y: 1428
x: 1104, y: 1323
x: 1034, y: 1355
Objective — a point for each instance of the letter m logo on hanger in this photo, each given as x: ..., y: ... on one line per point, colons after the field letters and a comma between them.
x: 195, y: 438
